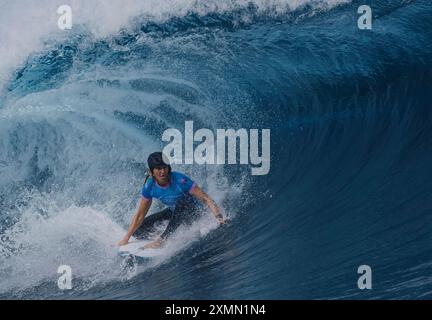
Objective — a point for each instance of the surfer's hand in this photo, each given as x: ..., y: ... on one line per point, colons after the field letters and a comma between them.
x: 122, y: 242
x: 154, y: 245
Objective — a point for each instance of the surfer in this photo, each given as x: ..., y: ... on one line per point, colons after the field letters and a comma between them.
x: 174, y: 189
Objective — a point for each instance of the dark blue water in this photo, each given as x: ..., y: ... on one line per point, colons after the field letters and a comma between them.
x: 351, y: 155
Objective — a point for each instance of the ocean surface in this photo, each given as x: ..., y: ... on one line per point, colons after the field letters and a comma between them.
x: 350, y: 114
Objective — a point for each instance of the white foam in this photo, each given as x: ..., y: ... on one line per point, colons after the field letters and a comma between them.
x: 79, y: 237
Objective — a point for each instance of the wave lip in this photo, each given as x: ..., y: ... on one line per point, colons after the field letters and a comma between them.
x: 26, y: 27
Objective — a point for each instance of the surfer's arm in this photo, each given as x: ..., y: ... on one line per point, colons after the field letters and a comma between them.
x: 205, y: 198
x: 137, y: 220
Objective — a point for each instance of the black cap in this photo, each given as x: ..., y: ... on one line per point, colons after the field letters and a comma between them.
x: 157, y: 160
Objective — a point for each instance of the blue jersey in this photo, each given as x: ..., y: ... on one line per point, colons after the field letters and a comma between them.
x: 179, y: 186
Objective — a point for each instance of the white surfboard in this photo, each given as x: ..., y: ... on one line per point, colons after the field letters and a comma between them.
x: 136, y: 248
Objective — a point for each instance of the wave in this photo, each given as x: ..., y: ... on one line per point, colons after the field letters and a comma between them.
x: 30, y: 28
x: 349, y: 181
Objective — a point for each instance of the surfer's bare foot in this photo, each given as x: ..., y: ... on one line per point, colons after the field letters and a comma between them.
x: 221, y: 220
x: 153, y: 245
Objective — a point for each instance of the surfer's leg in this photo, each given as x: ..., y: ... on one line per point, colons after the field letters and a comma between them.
x: 148, y: 225
x: 184, y: 213
x: 174, y: 223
